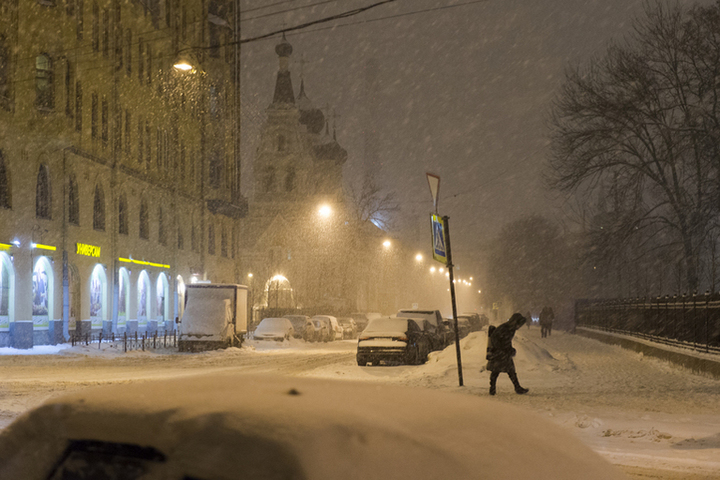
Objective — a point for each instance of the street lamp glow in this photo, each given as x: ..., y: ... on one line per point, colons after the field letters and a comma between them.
x: 325, y: 211
x: 479, y: 291
x: 250, y: 275
x: 441, y: 270
x: 447, y: 274
x: 432, y: 269
x: 386, y: 244
x: 471, y: 279
x: 418, y: 257
x: 183, y: 65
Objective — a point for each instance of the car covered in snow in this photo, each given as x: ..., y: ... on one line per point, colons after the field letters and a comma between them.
x: 435, y: 326
x: 362, y: 319
x: 227, y: 425
x: 302, y: 326
x: 274, y: 329
x: 349, y: 327
x: 393, y: 340
x: 334, y: 330
x: 477, y: 321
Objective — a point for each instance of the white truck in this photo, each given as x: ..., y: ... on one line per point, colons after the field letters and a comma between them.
x: 215, y: 317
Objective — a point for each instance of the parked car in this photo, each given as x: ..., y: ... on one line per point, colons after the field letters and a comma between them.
x: 274, y: 329
x: 322, y: 330
x: 232, y: 425
x: 464, y: 326
x: 477, y: 321
x: 303, y: 327
x: 334, y: 329
x: 362, y: 319
x: 349, y: 327
x: 393, y: 340
x: 441, y: 335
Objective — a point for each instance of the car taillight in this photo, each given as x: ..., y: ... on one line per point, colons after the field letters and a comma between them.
x: 401, y: 339
x: 363, y: 338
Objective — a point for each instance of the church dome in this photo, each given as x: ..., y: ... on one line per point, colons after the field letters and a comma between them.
x: 310, y: 116
x: 283, y: 49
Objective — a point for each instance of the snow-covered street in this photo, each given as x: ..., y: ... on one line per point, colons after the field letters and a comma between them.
x: 653, y: 419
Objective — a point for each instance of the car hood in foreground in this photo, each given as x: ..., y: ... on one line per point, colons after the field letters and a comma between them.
x: 229, y: 426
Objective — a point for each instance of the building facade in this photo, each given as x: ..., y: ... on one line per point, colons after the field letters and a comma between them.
x: 119, y: 174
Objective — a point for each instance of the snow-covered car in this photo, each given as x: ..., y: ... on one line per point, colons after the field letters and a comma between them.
x: 274, y: 329
x: 362, y: 319
x: 227, y: 426
x: 477, y: 321
x: 334, y: 330
x: 393, y: 340
x: 302, y: 326
x: 322, y: 330
x: 463, y: 325
x: 440, y: 334
x: 349, y: 327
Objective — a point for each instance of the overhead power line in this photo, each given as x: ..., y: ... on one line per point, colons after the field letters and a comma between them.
x: 279, y: 12
x: 338, y: 16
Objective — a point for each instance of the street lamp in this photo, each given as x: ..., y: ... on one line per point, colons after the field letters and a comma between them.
x: 387, y: 244
x: 432, y: 269
x: 325, y: 211
x: 419, y: 257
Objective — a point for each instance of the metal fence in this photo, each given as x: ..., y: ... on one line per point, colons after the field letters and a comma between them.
x: 688, y: 321
x: 127, y: 342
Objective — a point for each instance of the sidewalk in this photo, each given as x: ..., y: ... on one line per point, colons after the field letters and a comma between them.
x: 698, y: 362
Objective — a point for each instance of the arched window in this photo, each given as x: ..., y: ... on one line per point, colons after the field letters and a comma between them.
x: 162, y: 233
x: 73, y: 201
x: 144, y: 220
x: 290, y: 180
x: 223, y: 242
x: 122, y: 215
x: 4, y: 73
x: 143, y: 300
x: 43, y: 197
x: 269, y: 179
x: 99, y: 209
x: 211, y: 239
x: 5, y: 194
x: 123, y: 298
x: 44, y: 94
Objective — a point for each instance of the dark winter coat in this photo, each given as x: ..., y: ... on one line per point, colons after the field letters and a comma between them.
x: 500, y: 350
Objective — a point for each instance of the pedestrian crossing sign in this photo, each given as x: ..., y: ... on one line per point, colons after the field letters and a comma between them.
x: 438, y: 239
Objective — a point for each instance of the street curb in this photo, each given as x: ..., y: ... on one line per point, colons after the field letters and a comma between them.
x: 687, y: 360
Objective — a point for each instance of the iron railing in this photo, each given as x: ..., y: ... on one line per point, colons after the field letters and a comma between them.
x: 688, y: 321
x: 125, y: 341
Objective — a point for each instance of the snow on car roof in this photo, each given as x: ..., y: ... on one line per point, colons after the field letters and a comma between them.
x: 230, y: 425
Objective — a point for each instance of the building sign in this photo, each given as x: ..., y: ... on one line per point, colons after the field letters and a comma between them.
x: 87, y: 250
x: 438, y: 239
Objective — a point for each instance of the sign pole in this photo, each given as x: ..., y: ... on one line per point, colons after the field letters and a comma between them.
x: 452, y: 296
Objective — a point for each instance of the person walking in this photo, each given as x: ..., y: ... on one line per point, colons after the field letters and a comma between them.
x: 500, y: 352
x: 529, y: 320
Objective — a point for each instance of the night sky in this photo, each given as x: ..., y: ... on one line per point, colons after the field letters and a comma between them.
x: 463, y: 92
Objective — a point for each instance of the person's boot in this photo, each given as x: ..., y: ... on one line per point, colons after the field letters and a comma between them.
x: 518, y: 389
x: 493, y: 382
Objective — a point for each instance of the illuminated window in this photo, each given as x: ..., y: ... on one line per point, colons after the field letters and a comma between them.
x: 44, y: 94
x: 99, y: 209
x: 5, y: 193
x: 73, y: 201
x: 43, y: 197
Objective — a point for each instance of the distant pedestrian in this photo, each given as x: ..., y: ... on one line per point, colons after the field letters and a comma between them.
x: 546, y: 320
x: 500, y: 352
x: 528, y: 317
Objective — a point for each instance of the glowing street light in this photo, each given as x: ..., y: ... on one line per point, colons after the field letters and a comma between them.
x: 432, y: 269
x: 387, y: 244
x: 325, y: 211
x: 441, y: 270
x: 419, y: 257
x: 250, y: 275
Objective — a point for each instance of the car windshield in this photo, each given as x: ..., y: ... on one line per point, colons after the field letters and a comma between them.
x: 274, y: 324
x: 297, y: 322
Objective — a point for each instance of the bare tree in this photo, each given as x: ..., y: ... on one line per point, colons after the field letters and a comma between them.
x: 644, y: 118
x: 368, y: 203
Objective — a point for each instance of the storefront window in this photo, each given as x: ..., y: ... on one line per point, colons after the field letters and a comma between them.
x: 123, y: 283
x: 143, y: 297
x: 5, y: 292
x: 161, y: 295
x: 97, y: 295
x: 40, y: 281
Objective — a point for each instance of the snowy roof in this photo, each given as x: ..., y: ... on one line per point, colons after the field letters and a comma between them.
x: 228, y: 426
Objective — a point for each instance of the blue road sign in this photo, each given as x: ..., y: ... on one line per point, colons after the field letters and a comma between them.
x: 438, y: 239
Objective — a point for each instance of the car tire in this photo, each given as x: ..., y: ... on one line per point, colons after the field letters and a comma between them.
x: 361, y: 361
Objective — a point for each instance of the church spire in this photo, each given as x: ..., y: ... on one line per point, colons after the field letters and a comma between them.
x: 283, y: 84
